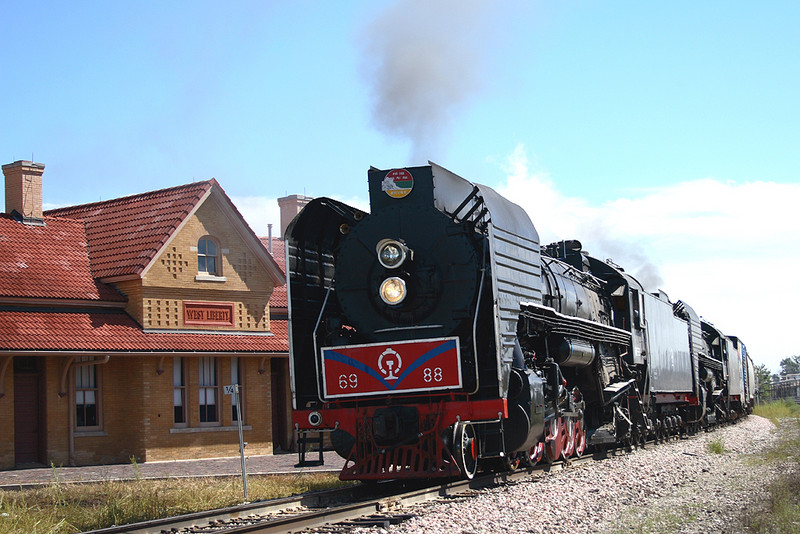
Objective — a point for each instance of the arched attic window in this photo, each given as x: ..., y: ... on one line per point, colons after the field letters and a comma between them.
x: 208, y: 261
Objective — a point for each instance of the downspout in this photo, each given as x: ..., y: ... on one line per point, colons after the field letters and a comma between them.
x: 3, y: 368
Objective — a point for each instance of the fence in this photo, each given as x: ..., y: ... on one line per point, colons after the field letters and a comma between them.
x: 786, y: 388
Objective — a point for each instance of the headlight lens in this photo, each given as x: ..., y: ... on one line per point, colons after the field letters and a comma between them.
x: 393, y: 290
x: 391, y: 253
x: 315, y: 418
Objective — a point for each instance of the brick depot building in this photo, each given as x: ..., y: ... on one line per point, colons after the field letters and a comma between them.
x: 122, y: 321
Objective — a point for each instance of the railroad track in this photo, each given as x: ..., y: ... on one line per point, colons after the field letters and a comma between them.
x: 380, y: 504
x: 337, y: 510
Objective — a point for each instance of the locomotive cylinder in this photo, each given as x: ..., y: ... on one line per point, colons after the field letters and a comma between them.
x: 568, y: 352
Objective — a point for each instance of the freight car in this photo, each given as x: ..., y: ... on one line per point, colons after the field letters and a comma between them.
x: 435, y: 335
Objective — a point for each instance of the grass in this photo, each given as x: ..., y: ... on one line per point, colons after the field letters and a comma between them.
x: 778, y: 410
x: 780, y: 514
x: 60, y: 508
x: 640, y: 522
x: 716, y: 446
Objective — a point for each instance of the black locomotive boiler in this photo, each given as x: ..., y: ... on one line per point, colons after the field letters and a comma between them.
x: 435, y: 335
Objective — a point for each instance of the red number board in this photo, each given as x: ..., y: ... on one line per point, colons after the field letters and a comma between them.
x: 386, y: 368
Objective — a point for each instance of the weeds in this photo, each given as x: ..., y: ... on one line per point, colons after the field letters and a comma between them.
x: 717, y: 446
x: 135, y: 464
x: 777, y: 410
x: 60, y: 508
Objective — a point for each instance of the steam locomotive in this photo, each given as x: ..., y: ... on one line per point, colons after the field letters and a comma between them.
x: 434, y: 336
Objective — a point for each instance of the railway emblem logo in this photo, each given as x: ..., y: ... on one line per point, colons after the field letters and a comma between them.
x: 390, y: 363
x: 398, y: 183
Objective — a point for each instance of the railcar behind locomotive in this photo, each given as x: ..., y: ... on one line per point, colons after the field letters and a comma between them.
x: 434, y: 335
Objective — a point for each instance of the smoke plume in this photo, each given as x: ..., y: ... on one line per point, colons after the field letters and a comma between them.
x: 423, y: 61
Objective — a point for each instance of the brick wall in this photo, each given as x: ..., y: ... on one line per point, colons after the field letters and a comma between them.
x: 133, y: 290
x: 173, y: 278
x: 58, y: 412
x: 137, y: 415
x: 165, y: 441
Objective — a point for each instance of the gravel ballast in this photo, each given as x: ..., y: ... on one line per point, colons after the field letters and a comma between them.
x: 679, y: 486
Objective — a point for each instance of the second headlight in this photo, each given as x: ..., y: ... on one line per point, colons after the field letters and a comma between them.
x: 393, y: 290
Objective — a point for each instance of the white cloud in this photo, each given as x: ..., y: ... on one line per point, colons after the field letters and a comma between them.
x: 729, y: 250
x: 259, y: 212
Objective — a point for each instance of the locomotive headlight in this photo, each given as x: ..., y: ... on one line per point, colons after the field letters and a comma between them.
x: 393, y: 290
x: 391, y: 253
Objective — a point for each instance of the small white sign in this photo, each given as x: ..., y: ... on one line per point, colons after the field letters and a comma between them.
x: 230, y: 390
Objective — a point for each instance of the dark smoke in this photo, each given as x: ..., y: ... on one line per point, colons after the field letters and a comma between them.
x: 423, y: 60
x: 630, y: 257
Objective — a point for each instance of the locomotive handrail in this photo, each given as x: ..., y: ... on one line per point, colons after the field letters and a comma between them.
x: 475, y: 322
x: 314, y: 337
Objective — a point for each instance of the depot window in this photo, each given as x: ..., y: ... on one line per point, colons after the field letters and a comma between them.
x: 208, y: 261
x: 178, y: 392
x: 87, y: 395
x: 208, y: 391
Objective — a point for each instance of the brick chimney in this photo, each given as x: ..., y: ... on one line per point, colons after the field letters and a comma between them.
x: 24, y: 190
x: 290, y: 207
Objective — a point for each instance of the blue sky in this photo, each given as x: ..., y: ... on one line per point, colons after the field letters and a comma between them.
x: 663, y: 135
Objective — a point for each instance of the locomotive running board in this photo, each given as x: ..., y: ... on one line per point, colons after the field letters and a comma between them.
x: 536, y: 320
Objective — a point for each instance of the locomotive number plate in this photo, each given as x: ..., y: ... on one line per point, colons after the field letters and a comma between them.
x: 386, y: 368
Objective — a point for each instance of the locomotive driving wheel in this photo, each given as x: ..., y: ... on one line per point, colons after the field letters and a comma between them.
x: 569, y: 437
x: 553, y: 440
x: 534, y: 455
x: 580, y: 438
x: 512, y: 460
x: 465, y: 445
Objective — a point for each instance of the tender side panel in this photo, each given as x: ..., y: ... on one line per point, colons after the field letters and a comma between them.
x: 735, y: 379
x: 670, y: 360
x: 751, y: 379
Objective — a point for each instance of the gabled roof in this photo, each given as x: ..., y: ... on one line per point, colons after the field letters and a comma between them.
x: 115, y: 331
x: 125, y: 235
x: 48, y: 262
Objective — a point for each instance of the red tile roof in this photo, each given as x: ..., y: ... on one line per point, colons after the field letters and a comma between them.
x: 125, y: 234
x: 279, y: 296
x: 49, y: 261
x: 92, y: 330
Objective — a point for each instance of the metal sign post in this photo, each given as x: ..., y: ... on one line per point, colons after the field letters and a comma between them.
x: 234, y: 390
